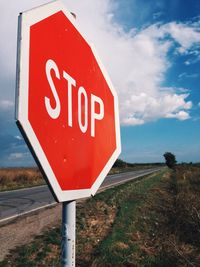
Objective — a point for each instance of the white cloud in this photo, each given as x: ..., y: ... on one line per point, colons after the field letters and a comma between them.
x: 17, y: 156
x: 181, y: 115
x: 187, y: 62
x: 186, y: 36
x: 186, y: 75
x: 137, y: 61
x: 8, y: 29
x: 146, y: 108
x: 6, y: 104
x: 18, y: 137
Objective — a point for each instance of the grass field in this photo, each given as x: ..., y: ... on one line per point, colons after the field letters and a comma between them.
x: 154, y: 222
x: 16, y: 178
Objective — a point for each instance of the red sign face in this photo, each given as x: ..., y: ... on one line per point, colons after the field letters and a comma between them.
x: 70, y: 116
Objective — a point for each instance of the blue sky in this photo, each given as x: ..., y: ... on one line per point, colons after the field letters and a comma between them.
x: 151, y: 49
x: 181, y: 137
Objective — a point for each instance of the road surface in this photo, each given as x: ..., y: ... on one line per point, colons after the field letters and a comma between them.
x: 19, y: 202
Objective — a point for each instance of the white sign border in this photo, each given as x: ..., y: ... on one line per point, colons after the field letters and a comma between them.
x: 26, y: 20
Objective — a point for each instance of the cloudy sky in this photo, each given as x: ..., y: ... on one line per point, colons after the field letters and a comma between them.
x: 151, y: 49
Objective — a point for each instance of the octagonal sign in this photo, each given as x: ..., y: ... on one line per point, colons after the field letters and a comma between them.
x: 67, y: 108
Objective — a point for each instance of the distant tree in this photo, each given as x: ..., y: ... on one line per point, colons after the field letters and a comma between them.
x: 120, y: 163
x: 170, y: 160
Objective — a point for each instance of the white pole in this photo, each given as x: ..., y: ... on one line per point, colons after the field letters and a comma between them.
x: 68, y: 234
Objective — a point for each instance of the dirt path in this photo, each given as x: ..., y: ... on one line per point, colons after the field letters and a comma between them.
x: 22, y: 230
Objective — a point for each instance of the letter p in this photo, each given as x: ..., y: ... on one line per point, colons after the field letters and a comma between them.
x: 96, y: 116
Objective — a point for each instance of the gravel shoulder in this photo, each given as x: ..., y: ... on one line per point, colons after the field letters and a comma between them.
x: 25, y: 228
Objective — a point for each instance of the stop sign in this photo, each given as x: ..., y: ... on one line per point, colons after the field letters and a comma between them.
x: 67, y: 108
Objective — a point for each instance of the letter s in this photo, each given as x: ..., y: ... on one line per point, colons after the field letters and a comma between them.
x: 53, y: 112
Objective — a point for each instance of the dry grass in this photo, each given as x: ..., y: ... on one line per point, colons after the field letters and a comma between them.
x: 16, y: 178
x: 176, y: 208
x: 13, y: 178
x: 164, y: 229
x: 152, y: 223
x: 95, y: 221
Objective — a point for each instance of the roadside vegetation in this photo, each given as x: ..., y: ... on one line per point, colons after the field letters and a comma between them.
x: 16, y: 178
x: 122, y: 166
x: 164, y: 229
x: 154, y: 222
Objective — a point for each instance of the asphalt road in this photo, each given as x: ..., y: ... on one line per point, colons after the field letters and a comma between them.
x: 19, y: 202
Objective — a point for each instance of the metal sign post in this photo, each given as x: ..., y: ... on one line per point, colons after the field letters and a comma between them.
x: 89, y: 117
x: 68, y: 234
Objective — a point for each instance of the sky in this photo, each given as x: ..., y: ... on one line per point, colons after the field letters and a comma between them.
x: 151, y: 50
